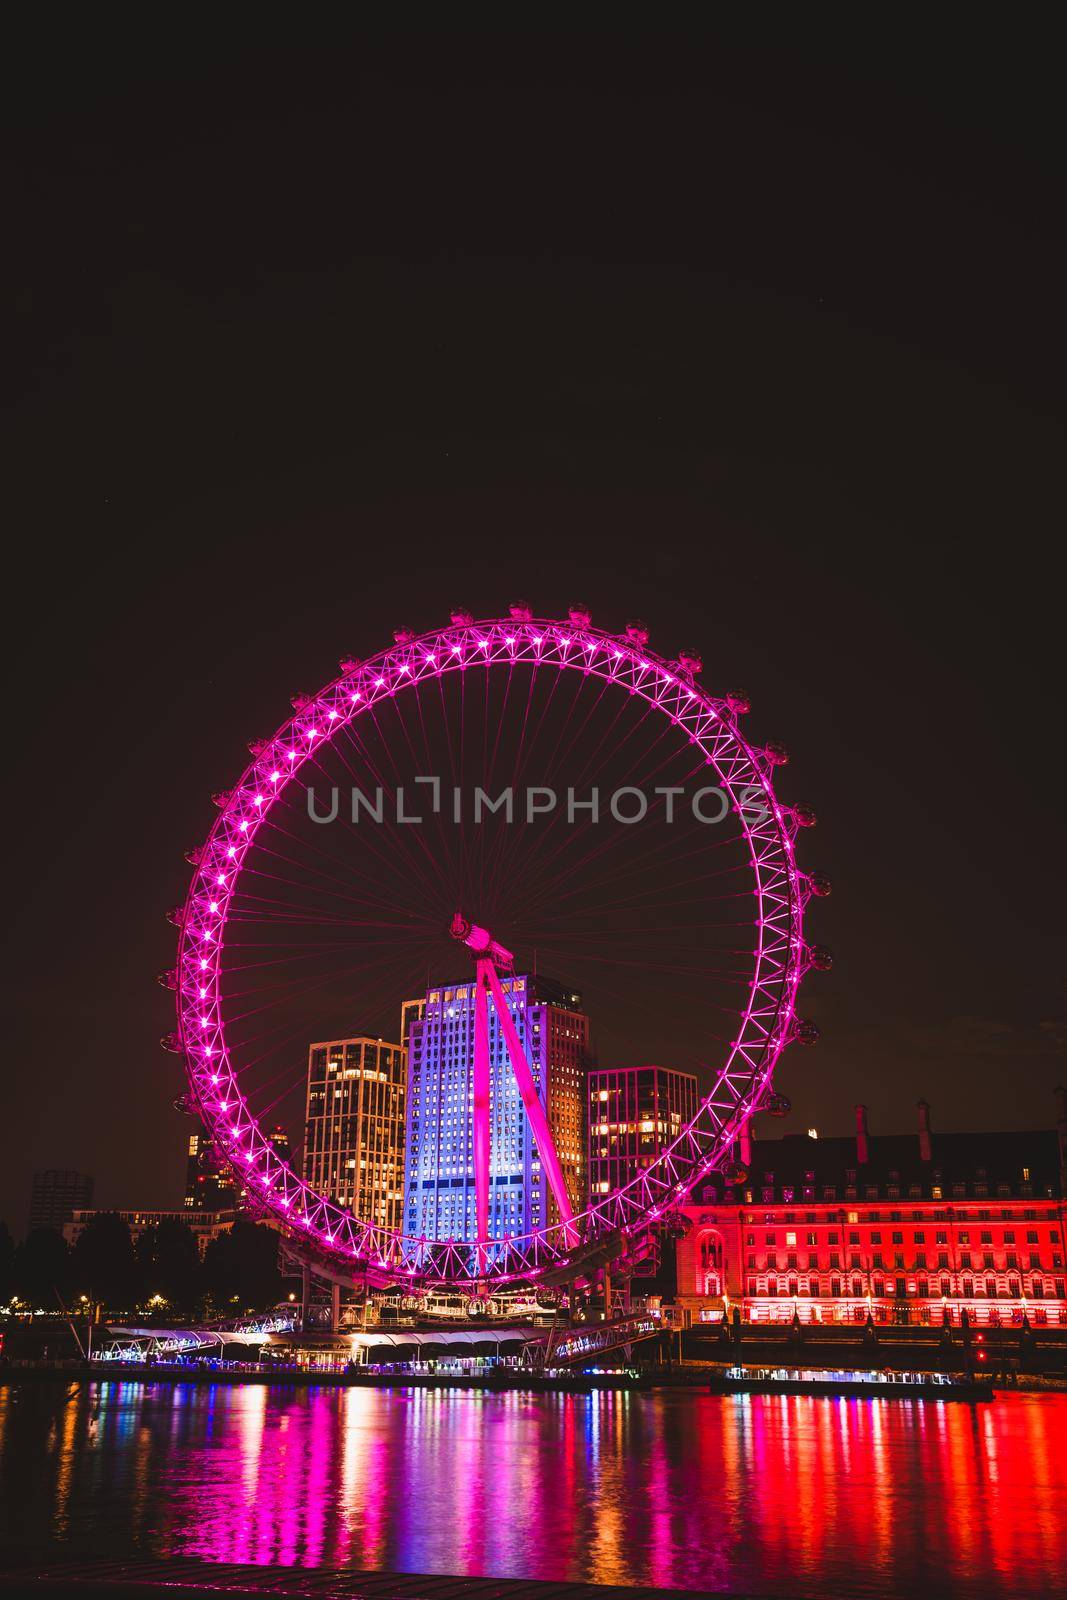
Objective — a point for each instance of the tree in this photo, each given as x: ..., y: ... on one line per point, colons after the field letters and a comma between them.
x: 168, y: 1264
x: 41, y: 1267
x: 103, y: 1264
x: 243, y: 1262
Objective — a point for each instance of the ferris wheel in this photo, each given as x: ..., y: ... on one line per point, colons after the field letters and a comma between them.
x: 686, y: 931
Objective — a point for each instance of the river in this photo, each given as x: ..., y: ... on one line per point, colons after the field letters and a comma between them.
x: 671, y: 1488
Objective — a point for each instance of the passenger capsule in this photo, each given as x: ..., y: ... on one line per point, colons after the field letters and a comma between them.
x: 820, y: 885
x: 804, y: 816
x: 807, y: 1032
x: 820, y: 957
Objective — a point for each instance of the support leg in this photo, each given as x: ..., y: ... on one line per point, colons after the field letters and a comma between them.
x: 480, y: 1090
x: 535, y: 1111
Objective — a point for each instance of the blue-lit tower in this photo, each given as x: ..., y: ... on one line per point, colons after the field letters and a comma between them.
x: 439, y: 1145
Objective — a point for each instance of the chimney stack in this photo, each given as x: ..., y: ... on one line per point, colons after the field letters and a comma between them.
x: 1061, y: 1123
x: 863, y: 1142
x: 746, y: 1143
x: 925, y: 1151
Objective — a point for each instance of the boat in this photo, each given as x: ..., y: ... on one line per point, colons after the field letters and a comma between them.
x: 847, y: 1382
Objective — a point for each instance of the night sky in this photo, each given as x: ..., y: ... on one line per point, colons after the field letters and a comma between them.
x: 762, y: 345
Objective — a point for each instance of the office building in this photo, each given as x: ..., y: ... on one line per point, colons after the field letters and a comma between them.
x: 354, y: 1127
x: 56, y: 1194
x: 439, y: 1158
x: 205, y: 1226
x: 634, y: 1112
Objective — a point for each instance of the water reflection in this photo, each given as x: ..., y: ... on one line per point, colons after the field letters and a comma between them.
x: 751, y: 1493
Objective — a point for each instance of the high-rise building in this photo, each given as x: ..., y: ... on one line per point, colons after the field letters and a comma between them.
x: 56, y: 1194
x: 439, y: 1155
x: 209, y: 1182
x: 410, y: 1011
x: 633, y: 1113
x: 279, y: 1143
x: 354, y: 1131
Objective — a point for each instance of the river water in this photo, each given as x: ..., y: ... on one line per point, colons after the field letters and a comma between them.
x: 671, y: 1488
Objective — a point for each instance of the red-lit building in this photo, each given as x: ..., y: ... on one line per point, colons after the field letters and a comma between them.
x: 907, y: 1227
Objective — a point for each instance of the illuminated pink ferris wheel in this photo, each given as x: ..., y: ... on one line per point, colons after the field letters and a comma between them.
x: 328, y: 888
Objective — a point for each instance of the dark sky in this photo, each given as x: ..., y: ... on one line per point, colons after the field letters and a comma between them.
x: 762, y: 344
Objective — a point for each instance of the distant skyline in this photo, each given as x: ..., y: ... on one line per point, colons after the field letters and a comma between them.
x: 765, y: 349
